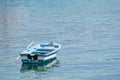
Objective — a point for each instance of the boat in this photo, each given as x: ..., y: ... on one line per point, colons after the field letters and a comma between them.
x: 40, y: 53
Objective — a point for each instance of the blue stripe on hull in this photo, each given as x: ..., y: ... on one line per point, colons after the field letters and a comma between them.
x: 41, y: 62
x: 33, y: 62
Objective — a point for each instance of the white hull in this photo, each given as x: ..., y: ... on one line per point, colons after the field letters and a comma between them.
x: 25, y: 57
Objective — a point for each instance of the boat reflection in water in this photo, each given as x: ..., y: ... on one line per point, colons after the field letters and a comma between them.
x: 38, y: 66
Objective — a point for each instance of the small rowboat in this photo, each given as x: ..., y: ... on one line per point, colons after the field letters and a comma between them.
x: 40, y: 53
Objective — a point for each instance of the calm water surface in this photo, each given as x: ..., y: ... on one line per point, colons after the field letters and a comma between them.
x: 89, y: 31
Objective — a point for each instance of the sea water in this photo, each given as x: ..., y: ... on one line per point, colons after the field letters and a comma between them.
x: 88, y: 30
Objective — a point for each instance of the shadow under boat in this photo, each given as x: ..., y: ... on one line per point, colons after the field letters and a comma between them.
x: 43, y: 66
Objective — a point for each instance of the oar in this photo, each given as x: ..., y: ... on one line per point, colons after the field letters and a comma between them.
x: 30, y: 45
x: 18, y: 58
x: 26, y: 48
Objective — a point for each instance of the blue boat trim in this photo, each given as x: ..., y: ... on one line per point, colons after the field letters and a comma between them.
x: 41, y: 62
